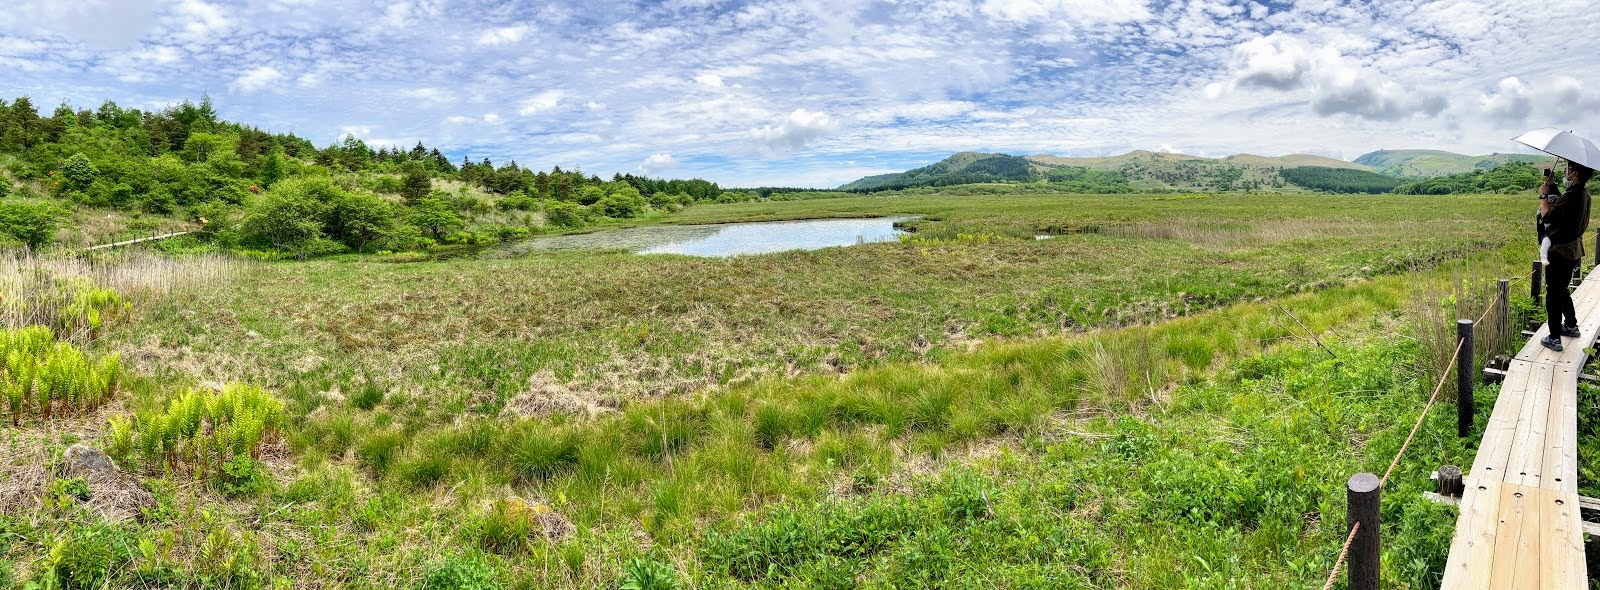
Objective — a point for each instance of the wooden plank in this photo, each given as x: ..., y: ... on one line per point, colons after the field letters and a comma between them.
x: 1472, y: 550
x: 1560, y: 470
x: 1562, y: 551
x: 1519, y: 524
x: 1512, y: 565
x: 1526, y: 457
x: 1495, y: 448
x: 1585, y: 302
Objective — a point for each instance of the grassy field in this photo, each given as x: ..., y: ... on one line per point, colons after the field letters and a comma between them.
x: 1137, y: 403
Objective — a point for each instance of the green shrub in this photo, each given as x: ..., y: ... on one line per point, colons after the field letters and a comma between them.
x: 89, y: 557
x: 67, y: 491
x: 517, y: 202
x: 565, y: 214
x: 30, y: 222
x: 242, y: 477
x: 647, y: 574
x: 456, y: 572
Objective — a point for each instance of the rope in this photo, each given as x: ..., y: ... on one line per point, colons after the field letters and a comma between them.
x: 1343, y: 553
x: 1438, y: 388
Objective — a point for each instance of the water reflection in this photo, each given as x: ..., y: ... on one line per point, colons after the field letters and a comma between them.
x: 733, y: 239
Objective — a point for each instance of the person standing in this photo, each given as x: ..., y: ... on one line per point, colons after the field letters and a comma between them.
x: 1568, y: 218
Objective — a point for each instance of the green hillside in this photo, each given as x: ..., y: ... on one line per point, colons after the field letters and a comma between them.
x: 1136, y: 170
x: 962, y: 168
x: 1430, y: 163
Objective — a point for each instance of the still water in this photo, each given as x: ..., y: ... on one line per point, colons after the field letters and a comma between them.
x: 732, y: 239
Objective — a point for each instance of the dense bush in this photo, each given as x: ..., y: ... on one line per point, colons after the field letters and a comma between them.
x: 30, y: 222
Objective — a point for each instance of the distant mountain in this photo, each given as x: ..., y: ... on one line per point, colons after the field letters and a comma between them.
x: 1137, y: 170
x: 962, y: 168
x: 1146, y: 170
x: 1430, y: 163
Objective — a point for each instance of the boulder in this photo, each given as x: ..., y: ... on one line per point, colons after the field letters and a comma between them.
x: 86, y: 462
x: 113, y: 495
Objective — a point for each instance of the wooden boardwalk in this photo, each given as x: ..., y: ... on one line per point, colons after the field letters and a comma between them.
x: 1519, y: 525
x: 131, y: 242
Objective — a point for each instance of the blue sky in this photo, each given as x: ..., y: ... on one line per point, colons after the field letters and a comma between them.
x: 820, y: 92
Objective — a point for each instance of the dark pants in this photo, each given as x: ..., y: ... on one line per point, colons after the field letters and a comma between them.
x: 1558, y: 298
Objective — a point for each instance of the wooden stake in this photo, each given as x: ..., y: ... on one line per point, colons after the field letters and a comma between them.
x: 1361, y: 497
x: 1450, y: 485
x: 1464, y: 378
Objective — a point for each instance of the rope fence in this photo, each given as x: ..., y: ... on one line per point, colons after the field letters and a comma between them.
x: 1462, y: 343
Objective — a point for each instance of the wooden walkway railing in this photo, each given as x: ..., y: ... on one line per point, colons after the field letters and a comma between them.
x: 1519, y: 525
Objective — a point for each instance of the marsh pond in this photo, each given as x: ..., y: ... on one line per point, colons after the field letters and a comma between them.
x: 731, y: 239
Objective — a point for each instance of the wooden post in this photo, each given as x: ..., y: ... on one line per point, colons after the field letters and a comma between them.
x: 1533, y: 285
x: 1361, y: 497
x: 1450, y: 485
x: 1464, y: 379
x: 1504, y: 309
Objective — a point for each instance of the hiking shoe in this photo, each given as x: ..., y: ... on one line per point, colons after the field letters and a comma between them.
x: 1570, y: 331
x: 1552, y: 343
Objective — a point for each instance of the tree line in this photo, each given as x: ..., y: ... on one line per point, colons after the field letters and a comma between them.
x: 253, y: 189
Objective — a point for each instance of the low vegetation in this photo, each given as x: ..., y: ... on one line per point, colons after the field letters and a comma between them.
x: 1167, y: 390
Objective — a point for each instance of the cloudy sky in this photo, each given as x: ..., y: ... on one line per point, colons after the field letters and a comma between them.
x: 820, y: 92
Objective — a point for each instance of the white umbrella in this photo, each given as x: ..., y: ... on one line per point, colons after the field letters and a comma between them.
x: 1562, y: 144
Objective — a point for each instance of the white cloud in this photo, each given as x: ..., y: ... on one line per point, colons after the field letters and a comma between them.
x: 710, y: 80
x: 503, y: 35
x: 100, y: 24
x: 430, y: 95
x: 257, y: 79
x: 658, y: 163
x: 1556, y: 100
x: 541, y: 102
x: 1077, y: 11
x: 491, y: 118
x: 1276, y: 61
x: 793, y: 133
x: 1511, y: 103
x: 1337, y: 84
x: 202, y: 22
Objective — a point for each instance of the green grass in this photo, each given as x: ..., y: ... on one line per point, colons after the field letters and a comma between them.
x: 1136, y: 405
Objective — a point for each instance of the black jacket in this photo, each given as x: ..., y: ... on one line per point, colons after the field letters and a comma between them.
x: 1568, y: 219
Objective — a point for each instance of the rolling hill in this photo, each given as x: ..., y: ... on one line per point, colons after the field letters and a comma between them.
x: 1430, y: 163
x: 962, y: 168
x: 1136, y: 170
x: 1147, y: 170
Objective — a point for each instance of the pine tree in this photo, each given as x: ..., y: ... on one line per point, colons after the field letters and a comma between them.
x: 417, y: 184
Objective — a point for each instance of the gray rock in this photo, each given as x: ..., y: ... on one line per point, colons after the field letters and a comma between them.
x: 86, y: 462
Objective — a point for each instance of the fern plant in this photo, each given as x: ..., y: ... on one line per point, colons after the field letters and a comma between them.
x: 201, y: 430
